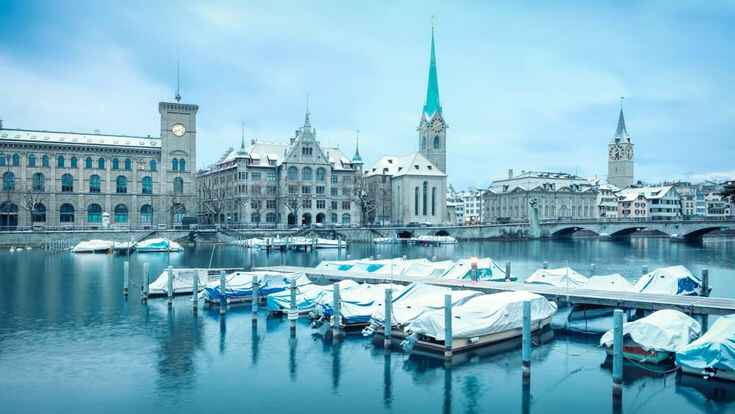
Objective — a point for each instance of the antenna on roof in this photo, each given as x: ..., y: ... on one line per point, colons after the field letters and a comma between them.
x: 242, y: 134
x: 178, y: 82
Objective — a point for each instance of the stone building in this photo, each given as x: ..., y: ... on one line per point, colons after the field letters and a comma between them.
x: 620, y: 161
x: 657, y: 203
x: 558, y: 196
x: 607, y: 201
x: 279, y: 184
x: 75, y: 179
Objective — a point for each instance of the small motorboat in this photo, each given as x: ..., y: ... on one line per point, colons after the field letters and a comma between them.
x: 357, y: 303
x: 239, y: 286
x: 93, y: 246
x: 613, y: 283
x: 487, y: 269
x: 564, y: 277
x: 656, y: 337
x: 713, y: 354
x: 673, y: 280
x: 307, y: 295
x: 157, y: 246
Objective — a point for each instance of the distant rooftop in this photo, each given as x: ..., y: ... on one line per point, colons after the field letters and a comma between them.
x: 80, y: 138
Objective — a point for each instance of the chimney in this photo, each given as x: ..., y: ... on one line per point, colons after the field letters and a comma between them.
x: 510, y: 173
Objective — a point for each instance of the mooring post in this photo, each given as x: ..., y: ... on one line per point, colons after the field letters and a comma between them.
x: 223, y: 293
x: 336, y: 311
x: 126, y: 277
x: 546, y: 265
x: 448, y: 338
x: 388, y: 320
x: 292, y: 312
x: 644, y: 269
x: 146, y: 281
x: 473, y: 267
x: 617, y: 354
x: 507, y: 271
x: 705, y: 282
x: 195, y: 291
x: 254, y: 299
x: 526, y: 340
x: 593, y: 269
x: 170, y: 286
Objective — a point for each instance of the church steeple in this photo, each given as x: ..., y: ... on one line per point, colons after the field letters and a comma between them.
x: 432, y: 105
x: 357, y: 159
x: 621, y: 133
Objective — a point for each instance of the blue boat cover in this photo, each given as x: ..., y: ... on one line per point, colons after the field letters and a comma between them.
x: 239, y: 285
x: 713, y: 351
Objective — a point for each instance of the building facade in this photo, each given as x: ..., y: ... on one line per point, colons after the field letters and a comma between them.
x: 473, y: 206
x: 716, y: 206
x: 607, y: 201
x: 75, y: 179
x: 283, y: 184
x: 657, y: 203
x: 620, y: 161
x: 557, y: 195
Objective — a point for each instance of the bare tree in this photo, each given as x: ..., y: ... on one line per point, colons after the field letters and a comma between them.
x: 291, y: 203
x: 212, y: 199
x: 31, y: 200
x: 365, y: 202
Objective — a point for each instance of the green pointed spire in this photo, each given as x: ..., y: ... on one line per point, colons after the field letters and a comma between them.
x: 432, y: 105
x: 357, y: 159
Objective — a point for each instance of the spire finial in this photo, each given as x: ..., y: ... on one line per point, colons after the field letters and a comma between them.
x: 178, y: 82
x: 242, y: 134
x: 432, y: 105
x: 357, y: 159
x: 307, y: 121
x: 621, y: 133
x: 621, y: 102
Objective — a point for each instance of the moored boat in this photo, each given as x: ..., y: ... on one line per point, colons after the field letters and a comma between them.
x: 157, y: 246
x: 713, y: 354
x: 93, y: 246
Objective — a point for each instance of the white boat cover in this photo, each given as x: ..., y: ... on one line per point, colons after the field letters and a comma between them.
x: 673, y: 280
x: 487, y: 269
x: 665, y: 330
x: 91, y: 246
x: 416, y: 299
x: 424, y: 268
x: 240, y: 284
x: 614, y: 282
x: 307, y: 295
x: 158, y: 245
x: 183, y: 281
x: 483, y: 315
x: 357, y: 302
x: 561, y: 277
x: 715, y: 350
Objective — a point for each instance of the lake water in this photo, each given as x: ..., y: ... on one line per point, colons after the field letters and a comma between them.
x: 70, y: 342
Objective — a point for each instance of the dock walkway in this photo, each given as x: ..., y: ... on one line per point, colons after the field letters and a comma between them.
x: 692, y: 305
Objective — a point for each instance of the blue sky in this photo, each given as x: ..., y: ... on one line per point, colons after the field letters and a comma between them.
x: 524, y: 85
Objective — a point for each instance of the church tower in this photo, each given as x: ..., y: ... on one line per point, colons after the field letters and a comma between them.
x: 620, y: 155
x: 432, y: 128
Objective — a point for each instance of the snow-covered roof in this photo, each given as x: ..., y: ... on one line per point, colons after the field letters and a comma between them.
x: 411, y: 164
x: 540, y: 180
x: 650, y: 193
x: 53, y: 137
x: 338, y: 159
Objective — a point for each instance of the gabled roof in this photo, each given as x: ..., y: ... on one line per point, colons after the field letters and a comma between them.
x: 411, y: 164
x: 650, y: 193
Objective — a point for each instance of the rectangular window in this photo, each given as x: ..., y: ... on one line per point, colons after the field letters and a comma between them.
x: 321, y: 203
x: 335, y: 192
x: 270, y: 203
x: 334, y: 205
x: 334, y: 178
x: 306, y: 189
x: 346, y: 191
x: 255, y: 176
x: 255, y: 189
x: 255, y: 204
x: 306, y: 203
x: 320, y: 189
x: 293, y: 189
x: 271, y: 176
x: 345, y: 205
x: 271, y: 189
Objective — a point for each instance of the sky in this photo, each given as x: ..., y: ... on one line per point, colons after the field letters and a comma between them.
x: 523, y: 85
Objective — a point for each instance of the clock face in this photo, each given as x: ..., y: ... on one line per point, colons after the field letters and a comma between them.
x: 437, y: 125
x: 178, y: 130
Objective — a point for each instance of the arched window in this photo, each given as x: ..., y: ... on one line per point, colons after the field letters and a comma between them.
x: 333, y: 217
x: 437, y: 142
x: 8, y: 216
x: 433, y: 201
x: 8, y: 181
x: 44, y: 161
x: 94, y: 213
x: 128, y: 164
x: 416, y: 201
x: 74, y: 163
x: 66, y: 213
x: 67, y: 183
x: 115, y: 164
x: 94, y: 183
x: 346, y: 218
x: 306, y: 174
x: 38, y: 213
x: 320, y: 174
x: 182, y: 165
x: 121, y: 213
x: 255, y: 218
x: 38, y: 182
x: 152, y: 165
x: 88, y: 163
x: 31, y: 160
x: 270, y: 218
x: 16, y: 160
x: 148, y: 185
x: 60, y: 161
x: 2, y: 159
x: 293, y: 173
x: 175, y: 164
x: 146, y: 214
x: 425, y: 197
x: 122, y: 184
x: 178, y: 185
x: 101, y: 163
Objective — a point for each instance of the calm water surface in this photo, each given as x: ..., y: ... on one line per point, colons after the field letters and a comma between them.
x: 69, y: 341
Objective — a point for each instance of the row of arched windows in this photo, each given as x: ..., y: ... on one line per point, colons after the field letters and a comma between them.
x: 424, y: 200
x: 94, y: 213
x: 307, y: 174
x: 178, y: 164
x: 89, y: 163
x: 38, y: 183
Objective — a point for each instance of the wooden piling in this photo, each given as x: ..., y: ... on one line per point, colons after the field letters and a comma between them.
x: 254, y: 299
x: 546, y: 265
x: 507, y: 271
x: 223, y: 293
x: 617, y: 353
x: 146, y: 282
x: 644, y: 269
x: 126, y: 277
x: 705, y: 282
x: 336, y: 311
x: 448, y: 338
x: 593, y: 269
x: 293, y: 313
x: 195, y: 291
x: 170, y: 286
x: 388, y: 319
x: 526, y: 339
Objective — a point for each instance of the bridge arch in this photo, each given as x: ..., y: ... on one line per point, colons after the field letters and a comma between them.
x: 698, y: 233
x: 442, y: 233
x: 569, y: 231
x: 404, y: 234
x: 626, y: 231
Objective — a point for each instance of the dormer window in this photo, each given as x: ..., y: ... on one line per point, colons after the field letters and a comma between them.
x: 390, y: 161
x: 428, y: 166
x: 307, y: 151
x: 416, y: 166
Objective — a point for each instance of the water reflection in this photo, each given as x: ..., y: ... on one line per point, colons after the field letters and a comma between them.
x: 447, y: 402
x: 254, y: 343
x: 387, y: 379
x: 336, y: 363
x: 526, y: 395
x: 292, y: 342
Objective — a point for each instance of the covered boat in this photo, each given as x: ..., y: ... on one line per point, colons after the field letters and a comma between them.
x: 673, y: 280
x: 423, y: 268
x: 487, y: 269
x: 713, y: 354
x: 357, y: 303
x: 307, y: 295
x: 479, y: 321
x: 656, y: 337
x: 414, y: 300
x: 330, y: 244
x: 564, y: 277
x: 614, y: 282
x: 434, y: 240
x: 93, y: 246
x: 239, y: 286
x: 157, y: 245
x: 183, y: 282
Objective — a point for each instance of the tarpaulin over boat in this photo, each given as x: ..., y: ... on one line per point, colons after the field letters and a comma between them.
x: 93, y: 246
x: 417, y: 298
x: 158, y: 245
x: 561, y: 277
x: 715, y: 350
x: 487, y: 269
x: 183, y: 281
x: 673, y: 280
x: 421, y: 268
x: 665, y: 330
x: 307, y: 295
x: 357, y: 302
x: 240, y: 284
x: 483, y: 315
x: 614, y: 282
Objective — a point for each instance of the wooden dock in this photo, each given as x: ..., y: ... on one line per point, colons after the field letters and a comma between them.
x: 692, y: 305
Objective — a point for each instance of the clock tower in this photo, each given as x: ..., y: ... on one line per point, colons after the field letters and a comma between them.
x: 620, y: 155
x: 432, y: 127
x: 177, y: 170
